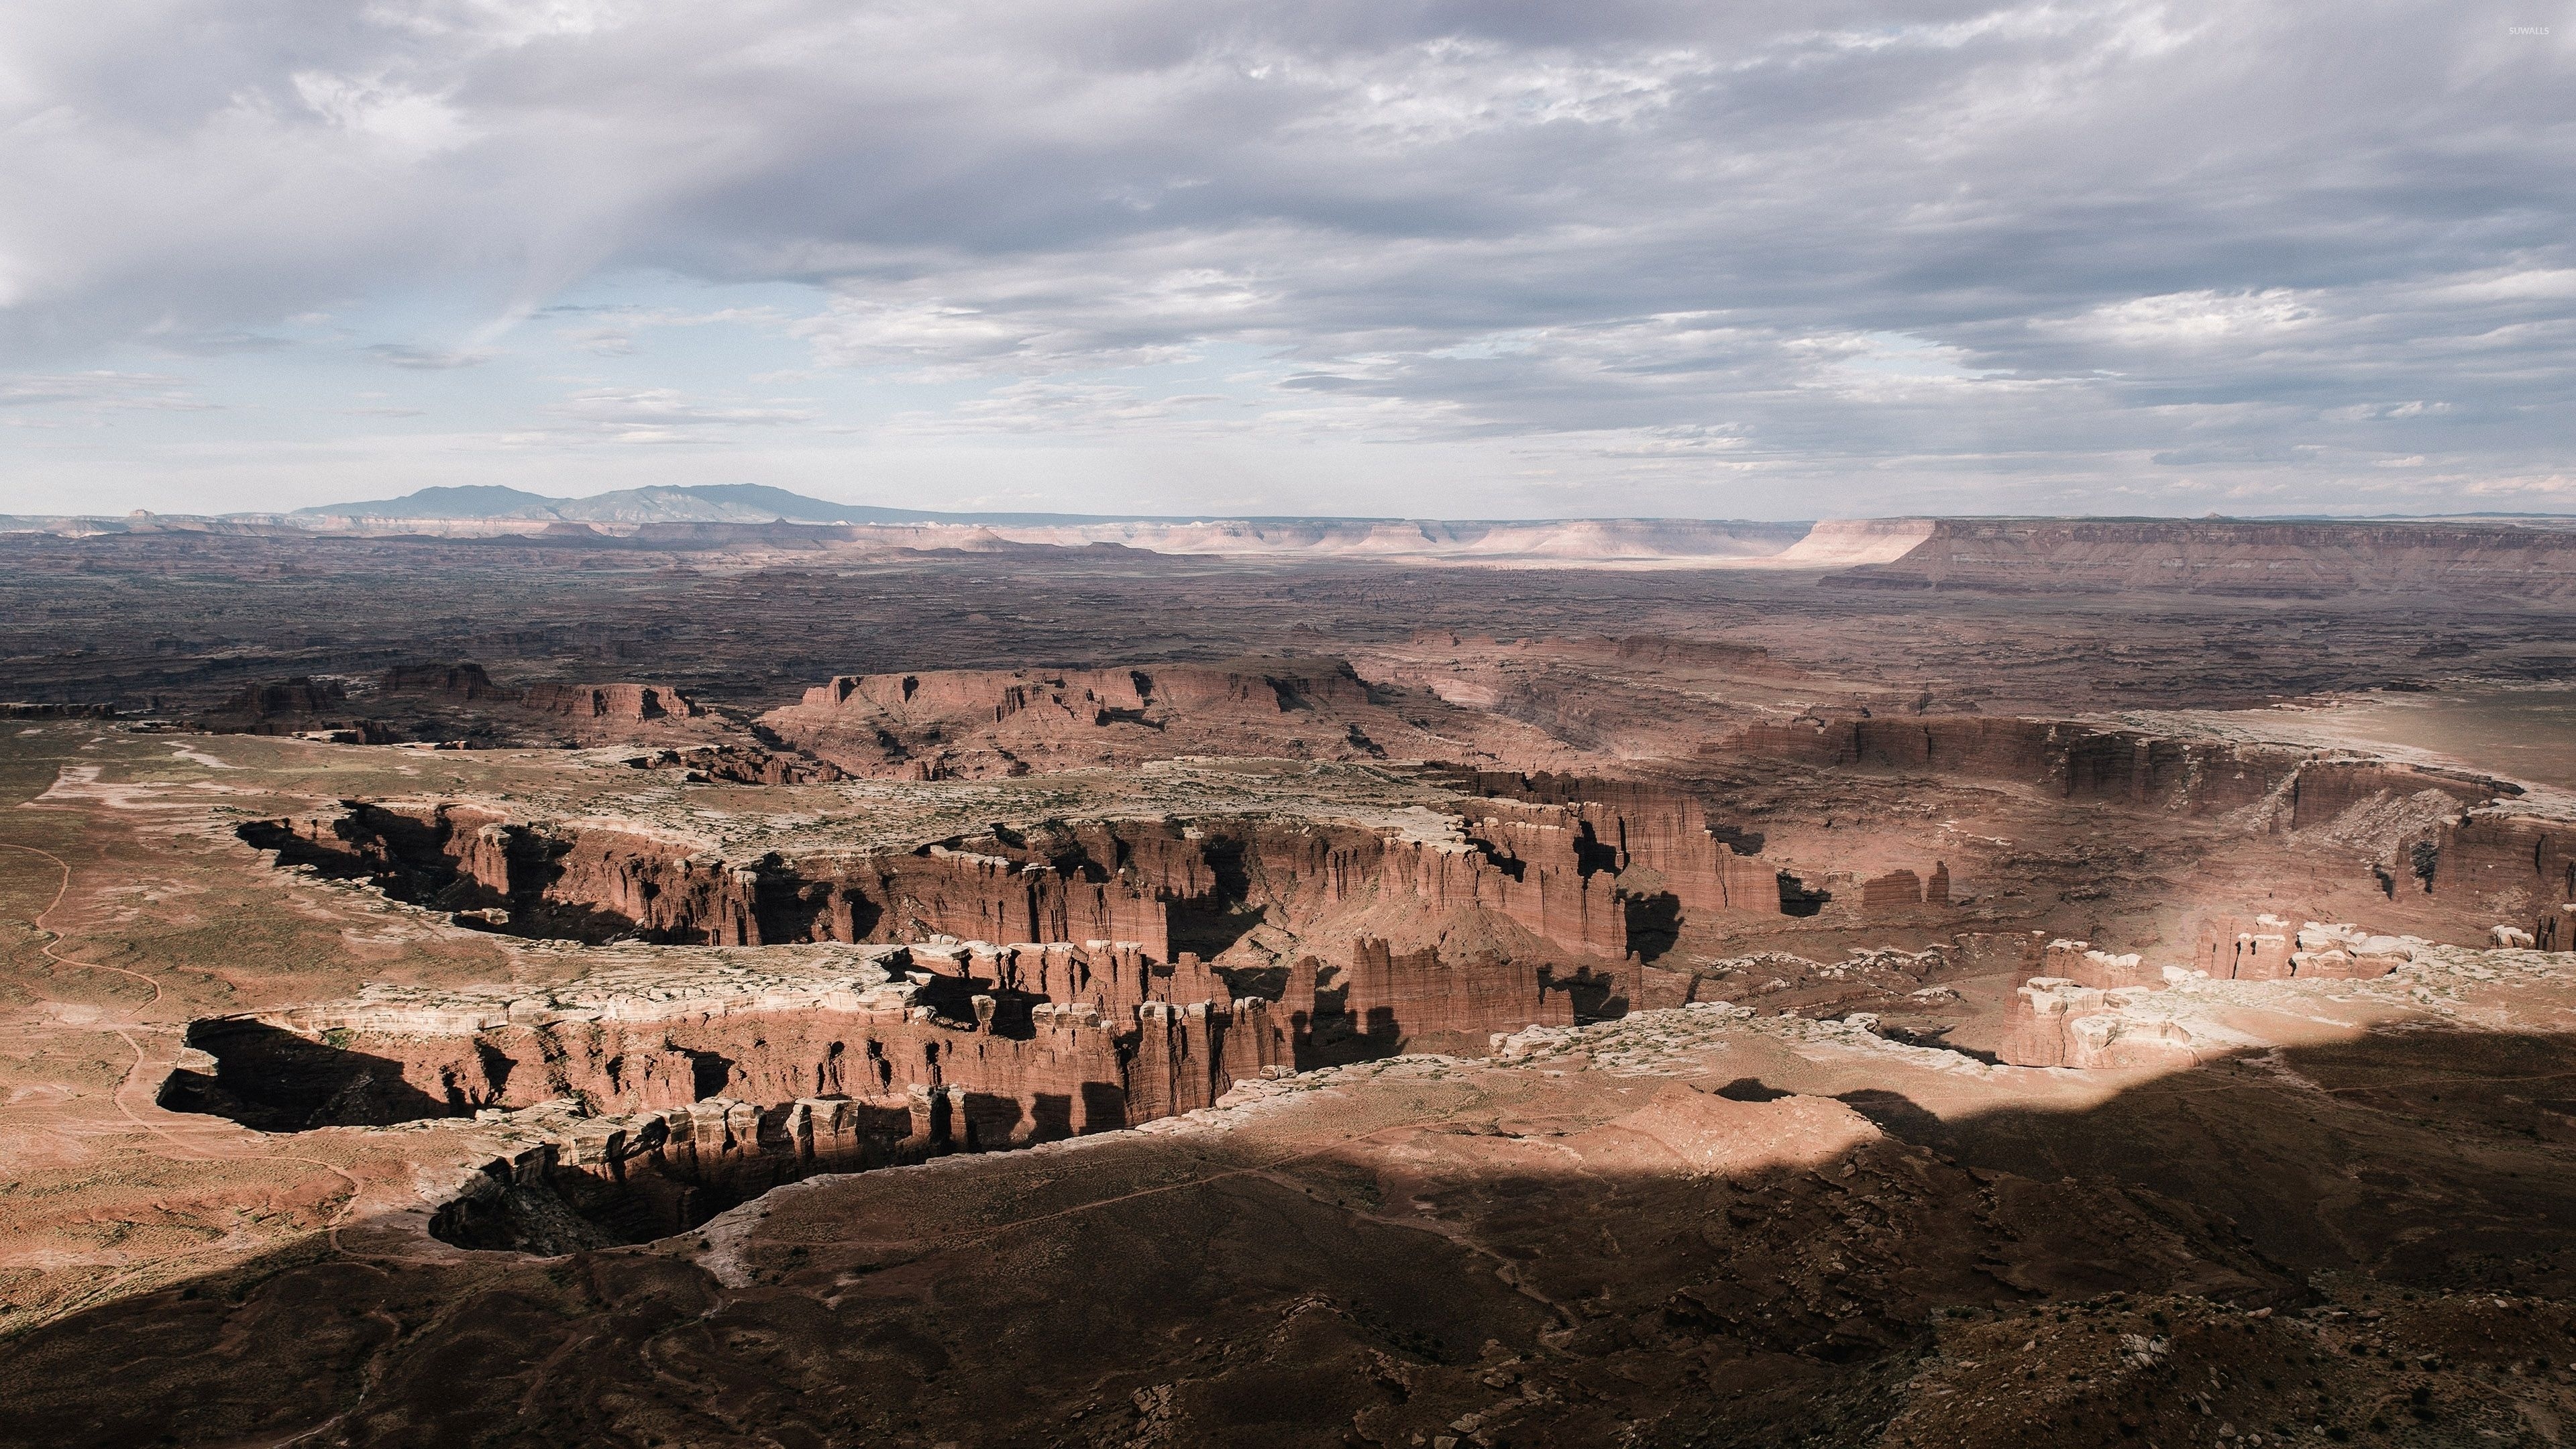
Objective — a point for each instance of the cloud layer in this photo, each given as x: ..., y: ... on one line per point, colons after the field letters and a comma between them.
x: 1484, y: 258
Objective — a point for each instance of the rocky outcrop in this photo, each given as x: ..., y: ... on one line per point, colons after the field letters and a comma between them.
x: 2078, y: 962
x: 1901, y: 890
x: 598, y: 883
x: 2054, y: 1022
x: 2269, y: 948
x: 2073, y: 761
x: 2074, y: 1014
x: 465, y: 682
x: 1414, y: 1001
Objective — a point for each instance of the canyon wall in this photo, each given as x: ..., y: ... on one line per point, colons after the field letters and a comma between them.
x: 1130, y: 881
x: 1618, y: 825
x: 2506, y: 866
x: 674, y: 1093
x: 944, y: 724
x: 2089, y: 762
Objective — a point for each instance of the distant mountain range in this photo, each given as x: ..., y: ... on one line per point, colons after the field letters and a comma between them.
x: 2493, y: 552
x: 759, y: 503
x: 703, y: 503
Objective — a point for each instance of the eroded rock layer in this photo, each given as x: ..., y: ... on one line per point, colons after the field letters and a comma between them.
x: 969, y: 724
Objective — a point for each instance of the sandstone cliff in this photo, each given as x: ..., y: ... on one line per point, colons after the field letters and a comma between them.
x: 969, y: 724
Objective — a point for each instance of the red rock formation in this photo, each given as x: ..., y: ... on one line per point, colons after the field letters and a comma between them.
x: 1616, y: 824
x: 632, y: 702
x: 293, y: 696
x: 1380, y: 1001
x: 1896, y: 890
x: 2054, y: 1022
x: 1120, y: 1047
x: 1431, y: 1005
x: 2253, y: 949
x: 2501, y: 865
x: 974, y: 723
x: 2078, y: 962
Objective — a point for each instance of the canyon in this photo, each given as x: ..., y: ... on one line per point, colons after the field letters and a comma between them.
x: 723, y: 980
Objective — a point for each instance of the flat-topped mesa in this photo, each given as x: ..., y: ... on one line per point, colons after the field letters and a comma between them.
x: 594, y: 882
x: 635, y: 702
x: 2224, y: 557
x: 664, y: 1096
x: 1901, y: 889
x: 299, y: 706
x: 2077, y: 761
x: 966, y: 724
x: 464, y: 680
x: 739, y: 764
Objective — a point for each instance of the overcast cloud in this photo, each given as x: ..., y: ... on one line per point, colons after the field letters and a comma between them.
x: 1460, y: 259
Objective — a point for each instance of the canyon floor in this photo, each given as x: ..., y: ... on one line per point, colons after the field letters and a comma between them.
x: 492, y: 991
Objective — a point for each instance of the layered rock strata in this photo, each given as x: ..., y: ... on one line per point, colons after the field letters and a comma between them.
x: 1553, y: 871
x: 673, y: 1094
x: 717, y: 1084
x: 2223, y: 557
x: 2071, y: 1015
x: 966, y: 724
x: 2077, y: 761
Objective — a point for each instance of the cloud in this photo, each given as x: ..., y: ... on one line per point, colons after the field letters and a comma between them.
x: 424, y: 359
x: 658, y: 415
x: 2011, y: 253
x: 98, y: 392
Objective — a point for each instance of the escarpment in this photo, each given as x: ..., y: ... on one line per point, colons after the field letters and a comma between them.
x: 673, y: 1093
x: 666, y: 1095
x: 2232, y: 558
x: 2076, y: 761
x: 976, y: 724
x: 458, y: 703
x: 1554, y: 873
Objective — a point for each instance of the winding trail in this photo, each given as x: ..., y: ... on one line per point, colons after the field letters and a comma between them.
x: 210, y: 1145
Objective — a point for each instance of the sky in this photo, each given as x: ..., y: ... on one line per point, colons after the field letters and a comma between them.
x: 1471, y: 260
